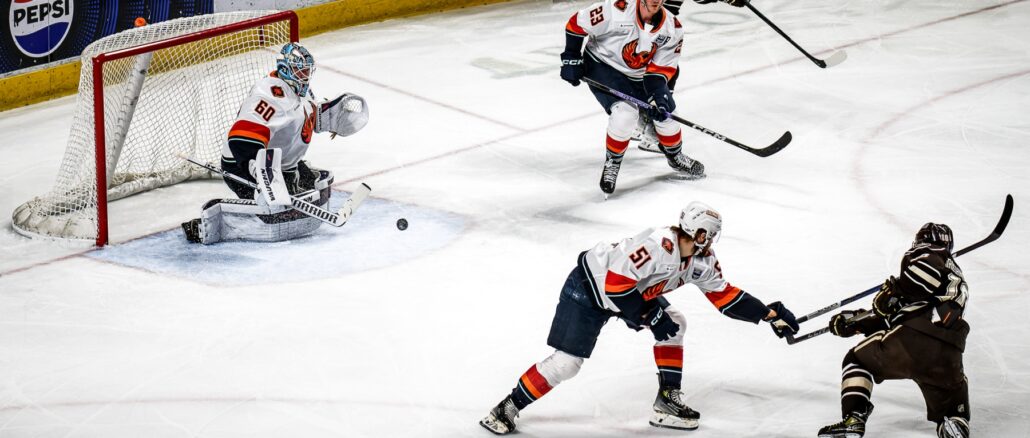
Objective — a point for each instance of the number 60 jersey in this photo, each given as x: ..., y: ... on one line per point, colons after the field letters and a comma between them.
x: 649, y: 264
x: 273, y: 116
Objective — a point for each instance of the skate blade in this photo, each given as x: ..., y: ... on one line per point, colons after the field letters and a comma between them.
x: 490, y: 423
x: 660, y: 419
x: 840, y: 435
x: 687, y: 177
x: 649, y: 148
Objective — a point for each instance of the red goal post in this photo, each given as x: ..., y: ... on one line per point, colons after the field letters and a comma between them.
x: 147, y: 95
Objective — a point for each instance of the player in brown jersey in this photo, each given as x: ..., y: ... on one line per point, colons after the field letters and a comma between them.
x: 915, y: 331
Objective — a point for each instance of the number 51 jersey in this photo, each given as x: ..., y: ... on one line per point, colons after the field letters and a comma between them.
x: 650, y: 264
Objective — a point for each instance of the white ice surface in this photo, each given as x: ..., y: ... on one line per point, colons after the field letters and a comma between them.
x: 926, y: 120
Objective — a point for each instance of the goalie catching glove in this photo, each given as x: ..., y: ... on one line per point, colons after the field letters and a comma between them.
x: 344, y: 115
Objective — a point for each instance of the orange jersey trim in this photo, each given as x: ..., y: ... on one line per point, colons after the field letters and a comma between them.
x: 573, y: 26
x: 722, y: 298
x: 535, y: 382
x: 617, y: 284
x: 251, y: 130
x: 668, y: 72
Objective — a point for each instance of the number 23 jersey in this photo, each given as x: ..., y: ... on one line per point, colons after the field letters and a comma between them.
x: 620, y: 39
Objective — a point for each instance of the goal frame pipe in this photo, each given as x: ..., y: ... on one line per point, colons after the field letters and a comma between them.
x: 98, y: 61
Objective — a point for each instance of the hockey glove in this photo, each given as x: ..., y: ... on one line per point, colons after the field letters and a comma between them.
x: 784, y: 323
x: 662, y: 326
x: 572, y: 69
x: 886, y: 302
x: 663, y: 105
x: 841, y: 324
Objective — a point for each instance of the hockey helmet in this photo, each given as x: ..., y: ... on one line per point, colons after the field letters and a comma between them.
x: 702, y: 223
x: 295, y: 66
x: 935, y: 234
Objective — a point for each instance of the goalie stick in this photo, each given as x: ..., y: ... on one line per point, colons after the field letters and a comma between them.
x: 335, y: 219
x: 779, y: 144
x: 834, y: 59
x: 1003, y: 222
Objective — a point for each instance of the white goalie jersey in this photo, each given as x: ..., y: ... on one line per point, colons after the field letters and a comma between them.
x: 617, y: 37
x: 274, y: 116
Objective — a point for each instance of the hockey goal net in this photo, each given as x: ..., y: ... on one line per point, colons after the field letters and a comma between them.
x: 146, y: 96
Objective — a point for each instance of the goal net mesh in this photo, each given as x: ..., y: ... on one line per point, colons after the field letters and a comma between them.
x: 184, y: 103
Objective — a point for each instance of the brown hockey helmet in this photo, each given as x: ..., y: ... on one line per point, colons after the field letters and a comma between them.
x: 935, y: 234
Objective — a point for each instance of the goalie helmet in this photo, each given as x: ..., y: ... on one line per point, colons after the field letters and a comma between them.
x: 295, y: 66
x: 935, y: 234
x: 702, y: 223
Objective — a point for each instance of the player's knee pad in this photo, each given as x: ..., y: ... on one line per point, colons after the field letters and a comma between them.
x: 559, y: 367
x: 622, y: 121
x: 667, y: 127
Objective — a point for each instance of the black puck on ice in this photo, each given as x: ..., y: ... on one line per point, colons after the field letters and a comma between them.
x: 402, y: 224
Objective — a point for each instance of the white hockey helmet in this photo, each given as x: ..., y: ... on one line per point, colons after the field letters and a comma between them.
x: 697, y: 218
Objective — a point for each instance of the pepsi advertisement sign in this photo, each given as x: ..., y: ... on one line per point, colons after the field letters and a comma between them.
x: 37, y: 32
x: 40, y: 26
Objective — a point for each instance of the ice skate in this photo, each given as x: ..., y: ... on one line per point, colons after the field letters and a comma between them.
x: 688, y: 168
x: 501, y: 419
x: 853, y: 426
x: 671, y: 412
x: 647, y: 137
x: 192, y: 230
x: 609, y: 175
x: 953, y: 427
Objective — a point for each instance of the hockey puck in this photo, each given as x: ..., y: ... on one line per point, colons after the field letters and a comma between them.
x: 402, y: 224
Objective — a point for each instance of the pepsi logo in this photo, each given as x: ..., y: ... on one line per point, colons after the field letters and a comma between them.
x: 40, y: 26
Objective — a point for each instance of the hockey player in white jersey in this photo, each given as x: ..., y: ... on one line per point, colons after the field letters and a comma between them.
x: 632, y: 46
x: 267, y: 143
x: 627, y: 280
x: 645, y: 133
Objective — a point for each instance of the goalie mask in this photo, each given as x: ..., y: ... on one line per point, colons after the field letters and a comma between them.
x: 935, y: 234
x: 295, y: 66
x: 702, y: 223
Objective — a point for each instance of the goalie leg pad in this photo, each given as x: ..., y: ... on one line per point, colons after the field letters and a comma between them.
x: 267, y: 170
x: 245, y: 219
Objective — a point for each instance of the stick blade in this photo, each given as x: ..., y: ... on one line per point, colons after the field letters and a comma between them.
x: 834, y: 59
x: 778, y: 145
x: 352, y: 204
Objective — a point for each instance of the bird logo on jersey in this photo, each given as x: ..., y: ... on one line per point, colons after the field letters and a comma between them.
x: 637, y: 60
x: 309, y: 125
x: 667, y: 245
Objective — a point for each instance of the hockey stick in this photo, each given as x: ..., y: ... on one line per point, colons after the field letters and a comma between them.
x: 335, y: 219
x: 1003, y: 222
x: 783, y: 141
x: 834, y: 59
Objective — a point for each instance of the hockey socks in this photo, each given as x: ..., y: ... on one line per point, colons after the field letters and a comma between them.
x: 669, y: 359
x: 856, y: 386
x: 532, y: 385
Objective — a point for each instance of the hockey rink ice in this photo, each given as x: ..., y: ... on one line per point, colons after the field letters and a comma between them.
x: 368, y: 331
